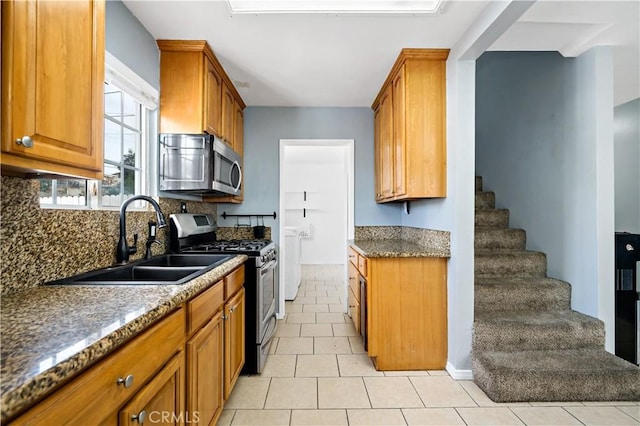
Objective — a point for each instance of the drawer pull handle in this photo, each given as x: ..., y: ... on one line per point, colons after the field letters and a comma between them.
x: 140, y: 417
x: 25, y: 141
x: 127, y: 381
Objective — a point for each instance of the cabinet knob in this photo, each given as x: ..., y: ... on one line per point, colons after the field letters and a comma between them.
x: 26, y: 141
x: 140, y: 417
x: 127, y: 381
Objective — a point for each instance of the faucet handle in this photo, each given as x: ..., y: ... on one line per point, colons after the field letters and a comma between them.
x: 134, y: 248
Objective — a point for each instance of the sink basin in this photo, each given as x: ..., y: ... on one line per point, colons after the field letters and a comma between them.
x: 169, y: 269
x: 188, y: 260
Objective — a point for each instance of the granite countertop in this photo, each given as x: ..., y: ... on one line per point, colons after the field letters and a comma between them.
x: 399, y: 248
x: 51, y: 333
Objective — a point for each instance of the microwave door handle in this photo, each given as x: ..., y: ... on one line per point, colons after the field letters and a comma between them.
x: 235, y: 163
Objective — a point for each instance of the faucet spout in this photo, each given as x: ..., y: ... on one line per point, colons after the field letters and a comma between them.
x: 122, y: 250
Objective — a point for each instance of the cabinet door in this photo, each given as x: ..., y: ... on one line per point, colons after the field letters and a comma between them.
x: 52, y: 86
x: 205, y: 366
x: 228, y: 114
x: 354, y: 309
x: 399, y: 139
x: 161, y: 401
x: 385, y: 166
x: 212, y: 99
x: 354, y: 278
x: 233, y: 340
x: 377, y: 154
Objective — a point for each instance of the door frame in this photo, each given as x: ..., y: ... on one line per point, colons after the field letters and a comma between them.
x: 349, y: 144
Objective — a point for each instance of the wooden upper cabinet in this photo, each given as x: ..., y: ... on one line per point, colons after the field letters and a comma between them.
x: 385, y: 160
x: 228, y: 115
x: 195, y: 91
x: 52, y: 87
x: 411, y: 127
x: 212, y: 98
x: 399, y: 135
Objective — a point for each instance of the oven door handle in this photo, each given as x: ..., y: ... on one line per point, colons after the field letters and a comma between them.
x: 270, y: 265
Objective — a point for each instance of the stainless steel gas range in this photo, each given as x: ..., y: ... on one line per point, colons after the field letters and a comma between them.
x: 195, y: 233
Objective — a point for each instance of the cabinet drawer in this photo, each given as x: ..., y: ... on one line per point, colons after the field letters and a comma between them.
x: 233, y: 282
x: 362, y: 265
x: 352, y: 256
x: 95, y: 396
x: 202, y: 308
x: 354, y: 280
x: 354, y: 309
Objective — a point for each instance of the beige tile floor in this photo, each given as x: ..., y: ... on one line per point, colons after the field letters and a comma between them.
x: 318, y: 374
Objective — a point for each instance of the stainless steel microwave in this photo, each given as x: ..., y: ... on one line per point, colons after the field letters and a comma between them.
x: 198, y: 164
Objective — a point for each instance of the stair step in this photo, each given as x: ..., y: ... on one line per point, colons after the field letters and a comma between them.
x: 556, y: 375
x: 500, y: 238
x: 478, y: 183
x: 485, y: 200
x: 495, y: 218
x: 522, y: 294
x: 510, y: 263
x: 505, y: 330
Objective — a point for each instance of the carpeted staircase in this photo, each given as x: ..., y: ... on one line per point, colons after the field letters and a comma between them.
x: 528, y: 345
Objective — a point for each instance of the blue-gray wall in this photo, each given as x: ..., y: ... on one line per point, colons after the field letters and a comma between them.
x: 129, y: 41
x: 627, y: 163
x: 544, y: 133
x: 263, y: 129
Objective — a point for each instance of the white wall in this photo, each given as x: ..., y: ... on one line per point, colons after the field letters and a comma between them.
x: 325, y: 185
x: 627, y: 166
x: 544, y: 144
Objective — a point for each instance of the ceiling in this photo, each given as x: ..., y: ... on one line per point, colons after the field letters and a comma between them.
x: 342, y: 60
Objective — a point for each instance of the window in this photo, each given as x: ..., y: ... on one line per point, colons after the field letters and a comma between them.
x: 124, y: 153
x: 130, y: 108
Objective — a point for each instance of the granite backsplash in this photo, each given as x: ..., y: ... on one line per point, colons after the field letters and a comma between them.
x: 40, y: 245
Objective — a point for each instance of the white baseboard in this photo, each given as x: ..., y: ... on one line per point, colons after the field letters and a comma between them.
x: 279, y: 315
x: 459, y: 374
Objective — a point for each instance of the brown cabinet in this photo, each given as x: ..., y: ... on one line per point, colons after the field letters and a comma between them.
x: 52, y: 88
x: 406, y: 310
x: 410, y: 128
x: 157, y: 378
x: 205, y: 355
x: 197, y: 96
x: 161, y: 401
x: 228, y: 114
x: 212, y: 95
x: 95, y: 397
x: 354, y: 302
x: 234, y: 341
x: 205, y: 362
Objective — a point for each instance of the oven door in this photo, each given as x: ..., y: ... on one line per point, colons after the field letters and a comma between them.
x: 266, y: 286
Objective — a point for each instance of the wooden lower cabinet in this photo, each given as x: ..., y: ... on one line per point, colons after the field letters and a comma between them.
x: 179, y: 371
x: 161, y: 401
x: 95, y: 397
x: 405, y: 308
x: 407, y: 313
x: 234, y: 340
x: 205, y: 362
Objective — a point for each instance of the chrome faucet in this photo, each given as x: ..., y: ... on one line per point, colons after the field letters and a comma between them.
x: 122, y: 250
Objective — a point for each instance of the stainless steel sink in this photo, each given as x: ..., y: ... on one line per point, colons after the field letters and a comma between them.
x: 168, y: 269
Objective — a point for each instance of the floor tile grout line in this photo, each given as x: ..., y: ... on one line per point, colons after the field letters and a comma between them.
x: 571, y: 414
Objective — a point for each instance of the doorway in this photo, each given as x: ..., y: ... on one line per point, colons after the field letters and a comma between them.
x: 317, y: 199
